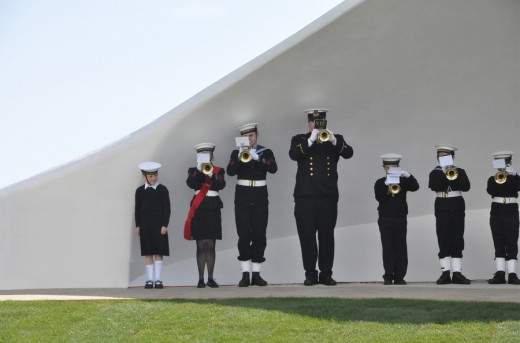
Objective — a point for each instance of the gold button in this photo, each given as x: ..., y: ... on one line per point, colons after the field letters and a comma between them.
x: 328, y: 174
x: 312, y: 174
x: 328, y: 157
x: 310, y: 158
x: 310, y: 163
x: 328, y: 163
x: 310, y: 169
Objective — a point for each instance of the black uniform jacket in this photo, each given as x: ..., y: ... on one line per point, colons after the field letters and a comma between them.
x: 195, y: 180
x: 508, y: 189
x: 394, y: 205
x: 153, y: 207
x: 438, y: 182
x: 252, y: 170
x: 317, y: 165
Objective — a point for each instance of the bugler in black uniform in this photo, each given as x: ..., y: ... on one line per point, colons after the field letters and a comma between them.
x: 392, y: 221
x: 504, y: 219
x: 316, y: 197
x: 449, y: 214
x: 251, y: 204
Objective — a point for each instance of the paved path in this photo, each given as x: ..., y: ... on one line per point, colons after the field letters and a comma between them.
x: 477, y: 291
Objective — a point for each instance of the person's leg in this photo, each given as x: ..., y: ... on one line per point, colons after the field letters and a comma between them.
x: 210, y: 261
x: 201, y: 262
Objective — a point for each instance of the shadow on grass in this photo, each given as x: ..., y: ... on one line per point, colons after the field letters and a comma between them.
x: 379, y: 310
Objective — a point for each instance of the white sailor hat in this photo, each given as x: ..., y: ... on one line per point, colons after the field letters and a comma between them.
x: 204, y: 147
x: 149, y: 167
x: 316, y: 113
x: 502, y: 154
x: 446, y: 148
x: 391, y: 158
x: 247, y: 128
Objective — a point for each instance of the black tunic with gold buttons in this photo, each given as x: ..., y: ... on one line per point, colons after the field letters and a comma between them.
x: 317, y: 165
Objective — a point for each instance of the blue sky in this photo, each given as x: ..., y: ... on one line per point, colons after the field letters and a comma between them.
x: 79, y: 75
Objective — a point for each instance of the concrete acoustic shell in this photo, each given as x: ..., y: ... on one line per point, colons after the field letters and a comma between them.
x: 398, y: 76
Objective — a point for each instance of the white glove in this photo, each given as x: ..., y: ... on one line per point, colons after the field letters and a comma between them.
x: 313, y: 137
x: 510, y: 170
x: 210, y: 174
x: 332, y: 138
x: 404, y: 173
x: 254, y: 155
x: 199, y: 166
x: 386, y: 182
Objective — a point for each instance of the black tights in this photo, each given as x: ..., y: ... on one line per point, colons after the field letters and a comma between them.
x: 206, y: 256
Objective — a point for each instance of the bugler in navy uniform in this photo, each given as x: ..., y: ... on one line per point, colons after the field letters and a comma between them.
x: 390, y: 191
x: 316, y: 194
x: 504, y: 187
x: 449, y: 181
x: 251, y: 163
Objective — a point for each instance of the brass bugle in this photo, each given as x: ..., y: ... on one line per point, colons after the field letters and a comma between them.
x: 501, y: 176
x: 394, y: 189
x: 206, y: 168
x: 323, y: 136
x: 451, y: 173
x: 245, y: 156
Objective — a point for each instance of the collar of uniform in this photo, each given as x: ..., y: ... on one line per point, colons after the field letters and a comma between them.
x: 146, y: 185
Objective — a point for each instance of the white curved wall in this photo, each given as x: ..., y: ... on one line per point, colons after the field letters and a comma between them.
x: 398, y: 76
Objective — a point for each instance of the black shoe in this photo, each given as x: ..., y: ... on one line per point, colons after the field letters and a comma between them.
x: 245, y: 280
x: 148, y: 284
x: 459, y: 279
x: 400, y: 282
x: 444, y: 279
x: 201, y: 284
x: 310, y: 281
x: 387, y: 282
x: 257, y: 280
x: 328, y: 281
x: 158, y: 284
x: 498, y: 279
x: 512, y: 279
x: 212, y: 284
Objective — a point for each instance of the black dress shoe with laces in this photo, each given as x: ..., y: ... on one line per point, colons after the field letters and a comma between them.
x: 328, y: 281
x: 499, y: 278
x: 257, y: 280
x: 148, y: 284
x: 399, y: 282
x: 459, y: 279
x: 387, y: 282
x: 212, y: 283
x: 201, y: 284
x: 245, y: 280
x: 310, y: 281
x: 512, y: 279
x: 159, y: 284
x: 444, y: 279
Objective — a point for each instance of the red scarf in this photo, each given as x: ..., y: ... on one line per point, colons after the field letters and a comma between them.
x: 196, y: 203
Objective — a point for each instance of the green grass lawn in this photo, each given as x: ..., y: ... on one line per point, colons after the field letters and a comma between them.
x: 259, y: 320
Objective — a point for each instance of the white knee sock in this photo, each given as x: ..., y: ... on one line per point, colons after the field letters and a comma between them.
x: 256, y: 267
x: 501, y: 264
x: 158, y: 269
x: 246, y: 266
x: 149, y: 272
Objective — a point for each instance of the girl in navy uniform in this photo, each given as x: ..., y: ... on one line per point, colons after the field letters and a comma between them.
x: 204, y: 223
x: 152, y: 215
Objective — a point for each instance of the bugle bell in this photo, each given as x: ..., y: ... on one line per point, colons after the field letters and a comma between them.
x: 245, y: 156
x: 451, y: 173
x: 323, y: 136
x: 501, y: 176
x: 206, y: 168
x: 394, y: 189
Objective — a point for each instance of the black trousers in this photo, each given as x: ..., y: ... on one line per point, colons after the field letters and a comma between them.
x: 316, y: 214
x: 251, y: 221
x: 395, y: 251
x: 450, y: 233
x: 504, y: 230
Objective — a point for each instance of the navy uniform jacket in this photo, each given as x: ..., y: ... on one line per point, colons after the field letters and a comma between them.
x: 195, y: 180
x: 438, y: 182
x: 317, y: 166
x: 394, y: 206
x: 508, y: 189
x: 253, y: 170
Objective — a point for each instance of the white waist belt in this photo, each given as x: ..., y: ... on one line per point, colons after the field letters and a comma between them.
x: 252, y: 183
x: 209, y: 194
x: 501, y: 200
x: 449, y: 194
